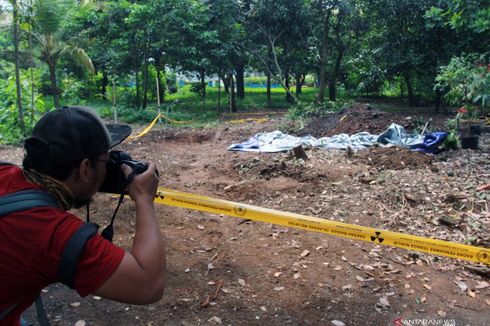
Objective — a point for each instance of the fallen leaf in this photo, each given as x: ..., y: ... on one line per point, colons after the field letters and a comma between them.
x: 471, y: 293
x: 80, y: 323
x: 384, y: 302
x: 461, y: 285
x: 215, y: 319
x: 75, y: 304
x: 427, y: 286
x: 407, y: 286
x: 368, y: 267
x: 487, y: 301
x: 279, y: 288
x: 305, y: 253
x: 96, y: 297
x: 338, y: 323
x: 347, y: 287
x: 241, y: 282
x: 296, y: 276
x: 482, y: 285
x: 442, y: 313
x: 277, y: 274
x: 210, y: 266
x: 338, y: 268
x: 200, y: 227
x: 343, y: 258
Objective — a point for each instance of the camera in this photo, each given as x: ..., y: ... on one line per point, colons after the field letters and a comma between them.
x: 115, y: 182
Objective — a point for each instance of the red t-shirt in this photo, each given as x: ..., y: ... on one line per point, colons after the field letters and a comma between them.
x: 31, y: 244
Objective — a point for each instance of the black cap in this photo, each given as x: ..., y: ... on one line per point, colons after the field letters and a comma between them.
x: 77, y: 132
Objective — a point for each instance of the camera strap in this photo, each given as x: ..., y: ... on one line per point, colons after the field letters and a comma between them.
x: 108, y: 232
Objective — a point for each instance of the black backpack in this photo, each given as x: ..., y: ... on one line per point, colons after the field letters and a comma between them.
x: 26, y: 199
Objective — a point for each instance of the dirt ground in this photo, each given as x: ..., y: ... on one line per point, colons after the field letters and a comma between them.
x: 228, y: 271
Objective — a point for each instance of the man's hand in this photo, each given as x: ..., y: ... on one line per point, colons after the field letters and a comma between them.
x: 144, y: 186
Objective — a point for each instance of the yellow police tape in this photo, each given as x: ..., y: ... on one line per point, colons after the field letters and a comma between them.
x: 376, y: 236
x: 174, y: 121
x: 148, y: 128
x: 145, y: 131
x: 258, y: 120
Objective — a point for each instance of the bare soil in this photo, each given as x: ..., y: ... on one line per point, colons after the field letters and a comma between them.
x: 227, y: 271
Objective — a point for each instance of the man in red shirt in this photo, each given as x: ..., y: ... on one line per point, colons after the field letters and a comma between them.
x: 66, y: 156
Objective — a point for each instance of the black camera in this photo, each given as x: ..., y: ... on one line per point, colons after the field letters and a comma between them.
x: 115, y: 182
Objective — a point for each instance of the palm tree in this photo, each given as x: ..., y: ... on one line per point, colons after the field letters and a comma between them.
x: 53, y: 39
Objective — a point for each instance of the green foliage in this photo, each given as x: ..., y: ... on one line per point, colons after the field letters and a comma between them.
x: 453, y: 140
x: 313, y: 110
x: 466, y: 80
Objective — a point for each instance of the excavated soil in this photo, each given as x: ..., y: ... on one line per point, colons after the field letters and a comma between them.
x: 229, y: 271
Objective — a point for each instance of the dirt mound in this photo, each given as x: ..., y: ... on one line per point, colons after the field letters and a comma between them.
x: 394, y: 158
x: 356, y: 118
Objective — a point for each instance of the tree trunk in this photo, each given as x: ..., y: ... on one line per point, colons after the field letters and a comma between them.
x: 412, y: 100
x: 202, y: 74
x: 269, y: 95
x: 324, y: 53
x: 161, y: 88
x: 145, y: 83
x: 138, y: 95
x: 289, y: 97
x: 31, y: 53
x: 226, y: 83
x: 105, y: 82
x: 20, y: 117
x: 233, y: 107
x: 300, y: 80
x: 332, y: 87
x: 219, y: 92
x: 240, y: 81
x: 54, y: 84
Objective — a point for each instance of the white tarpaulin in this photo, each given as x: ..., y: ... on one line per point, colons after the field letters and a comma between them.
x: 277, y: 141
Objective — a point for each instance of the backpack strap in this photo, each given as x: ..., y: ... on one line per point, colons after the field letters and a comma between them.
x: 25, y: 199
x: 73, y: 250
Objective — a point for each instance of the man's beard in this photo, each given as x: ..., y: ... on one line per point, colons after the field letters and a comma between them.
x: 80, y: 202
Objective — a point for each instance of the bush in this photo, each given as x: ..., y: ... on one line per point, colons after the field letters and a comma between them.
x: 466, y: 81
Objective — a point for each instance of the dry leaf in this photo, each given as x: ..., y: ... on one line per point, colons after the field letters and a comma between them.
x: 80, y: 323
x: 482, y: 285
x: 338, y: 323
x: 461, y: 285
x: 96, y: 297
x: 442, y: 313
x: 200, y: 227
x: 277, y: 274
x: 338, y: 268
x: 487, y: 301
x: 423, y: 299
x: 75, y: 304
x: 471, y: 293
x: 305, y: 253
x: 427, y: 286
x: 347, y: 287
x: 279, y: 288
x: 407, y: 286
x: 241, y: 282
x: 384, y: 302
x: 368, y: 268
x: 343, y: 258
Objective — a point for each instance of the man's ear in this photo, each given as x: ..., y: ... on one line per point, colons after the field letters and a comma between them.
x: 85, y: 170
